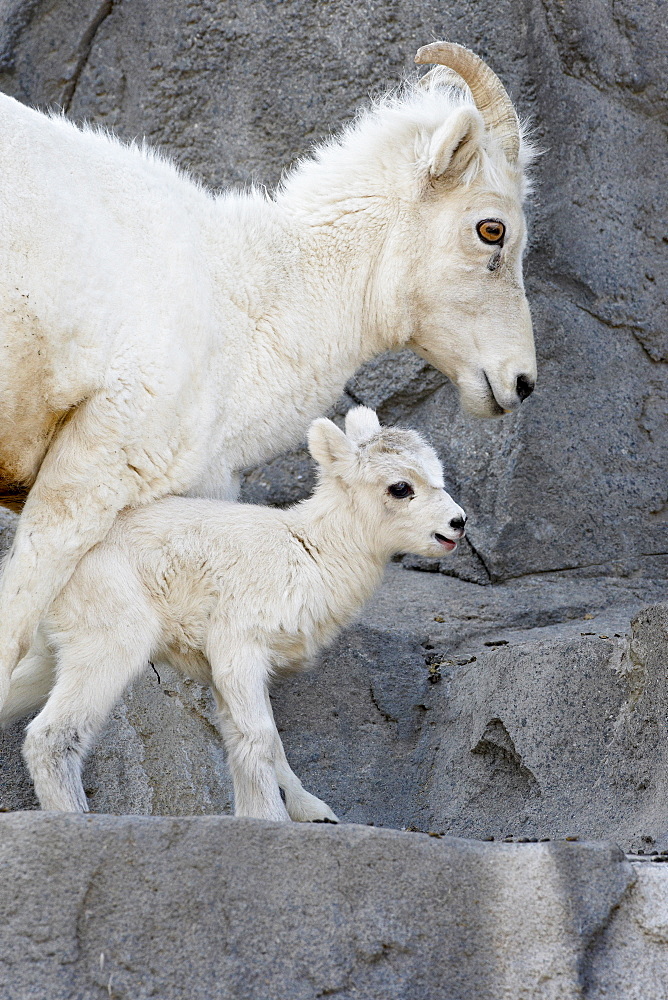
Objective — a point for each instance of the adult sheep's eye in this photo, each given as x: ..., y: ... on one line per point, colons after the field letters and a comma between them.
x: 400, y: 490
x: 491, y: 231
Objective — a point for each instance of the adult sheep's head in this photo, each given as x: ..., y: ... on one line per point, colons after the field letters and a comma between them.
x: 466, y: 311
x: 421, y: 198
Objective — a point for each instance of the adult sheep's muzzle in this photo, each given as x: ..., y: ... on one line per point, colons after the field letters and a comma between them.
x: 505, y: 396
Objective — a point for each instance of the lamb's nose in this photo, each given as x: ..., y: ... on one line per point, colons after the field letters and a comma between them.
x: 457, y: 523
x: 524, y: 386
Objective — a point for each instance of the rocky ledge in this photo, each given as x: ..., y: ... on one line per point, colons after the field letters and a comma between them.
x: 135, y: 907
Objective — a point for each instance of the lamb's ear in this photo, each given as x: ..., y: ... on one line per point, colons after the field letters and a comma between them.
x: 361, y: 424
x: 328, y: 444
x: 454, y: 144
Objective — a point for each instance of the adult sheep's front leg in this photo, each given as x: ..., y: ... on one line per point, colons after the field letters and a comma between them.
x: 31, y: 683
x: 82, y: 484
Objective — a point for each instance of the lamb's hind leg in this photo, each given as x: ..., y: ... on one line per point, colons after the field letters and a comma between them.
x: 59, y: 738
x: 302, y: 806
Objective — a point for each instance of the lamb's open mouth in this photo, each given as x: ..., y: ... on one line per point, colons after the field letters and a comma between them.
x: 445, y: 542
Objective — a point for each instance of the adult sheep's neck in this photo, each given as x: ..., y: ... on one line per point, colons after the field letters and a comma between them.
x: 303, y: 318
x: 349, y: 220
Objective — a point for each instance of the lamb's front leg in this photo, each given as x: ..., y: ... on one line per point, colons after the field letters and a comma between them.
x: 248, y: 730
x: 302, y: 806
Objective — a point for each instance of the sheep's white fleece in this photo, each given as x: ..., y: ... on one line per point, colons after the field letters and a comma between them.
x: 157, y: 339
x: 229, y: 594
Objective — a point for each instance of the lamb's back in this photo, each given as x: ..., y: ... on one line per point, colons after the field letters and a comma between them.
x: 238, y: 561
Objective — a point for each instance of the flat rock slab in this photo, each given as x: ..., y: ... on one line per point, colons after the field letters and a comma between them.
x: 212, y: 907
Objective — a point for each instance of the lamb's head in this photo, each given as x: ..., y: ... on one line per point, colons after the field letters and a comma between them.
x: 454, y: 260
x: 391, y: 481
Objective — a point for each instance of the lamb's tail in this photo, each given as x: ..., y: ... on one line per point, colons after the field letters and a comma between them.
x: 31, y: 683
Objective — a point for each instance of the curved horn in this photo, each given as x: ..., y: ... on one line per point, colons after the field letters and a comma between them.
x: 488, y: 92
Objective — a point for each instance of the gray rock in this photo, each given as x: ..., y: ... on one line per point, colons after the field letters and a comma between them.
x: 132, y: 907
x: 629, y: 959
x: 8, y: 522
x: 566, y: 736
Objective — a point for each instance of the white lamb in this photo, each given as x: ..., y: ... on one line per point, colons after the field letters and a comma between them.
x: 230, y: 595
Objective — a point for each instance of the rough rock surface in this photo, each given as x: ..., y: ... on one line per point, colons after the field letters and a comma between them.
x: 264, y: 910
x: 629, y: 957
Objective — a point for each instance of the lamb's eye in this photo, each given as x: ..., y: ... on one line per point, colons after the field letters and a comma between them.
x: 491, y: 231
x: 400, y: 490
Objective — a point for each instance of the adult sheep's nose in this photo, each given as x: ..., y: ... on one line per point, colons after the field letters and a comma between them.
x: 457, y: 523
x: 524, y: 386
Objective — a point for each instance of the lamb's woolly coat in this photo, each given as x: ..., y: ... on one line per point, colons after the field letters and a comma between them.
x: 229, y: 594
x: 156, y: 339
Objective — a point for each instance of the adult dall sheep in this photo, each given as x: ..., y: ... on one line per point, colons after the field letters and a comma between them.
x: 157, y: 339
x: 229, y: 594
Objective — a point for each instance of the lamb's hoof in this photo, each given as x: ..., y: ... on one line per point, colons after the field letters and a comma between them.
x: 307, y: 808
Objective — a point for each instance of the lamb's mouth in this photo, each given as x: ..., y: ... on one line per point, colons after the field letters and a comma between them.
x: 447, y: 544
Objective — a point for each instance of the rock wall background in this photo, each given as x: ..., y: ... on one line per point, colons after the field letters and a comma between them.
x: 549, y: 718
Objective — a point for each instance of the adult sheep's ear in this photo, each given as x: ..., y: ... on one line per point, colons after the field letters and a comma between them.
x: 454, y: 145
x: 361, y: 424
x: 327, y: 444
